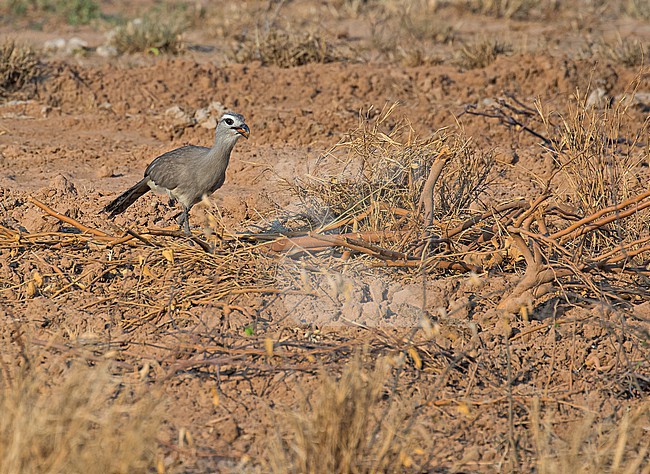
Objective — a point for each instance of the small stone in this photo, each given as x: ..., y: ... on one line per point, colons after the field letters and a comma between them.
x: 106, y: 51
x: 597, y: 98
x: 53, y: 45
x: 210, y: 123
x: 410, y: 294
x: 75, y: 45
x: 351, y: 310
x: 201, y: 115
x: 62, y: 185
x: 175, y: 112
x: 377, y: 290
x: 217, y: 107
x: 179, y: 116
x: 371, y: 310
x: 229, y: 431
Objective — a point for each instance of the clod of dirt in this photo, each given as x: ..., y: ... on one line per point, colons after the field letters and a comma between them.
x: 104, y: 171
x: 179, y: 117
x: 62, y: 185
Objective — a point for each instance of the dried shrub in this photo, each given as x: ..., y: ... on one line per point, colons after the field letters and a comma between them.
x: 599, y: 154
x: 19, y: 66
x: 375, y: 177
x: 355, y: 8
x: 413, y: 56
x: 481, y: 53
x: 285, y: 49
x: 349, y: 425
x: 81, y: 421
x: 591, y: 219
x: 151, y: 34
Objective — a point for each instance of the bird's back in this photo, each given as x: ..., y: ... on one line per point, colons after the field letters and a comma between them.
x: 176, y: 167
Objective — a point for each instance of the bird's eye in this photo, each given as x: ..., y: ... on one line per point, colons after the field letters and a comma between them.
x: 229, y: 121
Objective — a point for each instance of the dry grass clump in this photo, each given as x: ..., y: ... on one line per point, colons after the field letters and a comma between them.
x: 481, y: 53
x: 286, y: 49
x: 81, y: 421
x: 355, y: 8
x: 373, y: 180
x: 599, y: 152
x: 19, y: 66
x: 592, y: 447
x: 516, y: 9
x: 637, y: 9
x: 349, y: 425
x: 629, y: 52
x: 425, y: 26
x: 150, y: 34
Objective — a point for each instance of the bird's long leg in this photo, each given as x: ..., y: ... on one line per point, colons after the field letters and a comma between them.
x: 184, y: 220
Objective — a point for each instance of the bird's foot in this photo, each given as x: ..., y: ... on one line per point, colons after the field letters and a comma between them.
x: 184, y: 222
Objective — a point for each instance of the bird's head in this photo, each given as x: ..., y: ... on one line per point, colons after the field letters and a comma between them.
x: 232, y: 125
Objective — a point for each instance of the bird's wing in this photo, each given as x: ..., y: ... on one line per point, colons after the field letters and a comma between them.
x: 169, y: 169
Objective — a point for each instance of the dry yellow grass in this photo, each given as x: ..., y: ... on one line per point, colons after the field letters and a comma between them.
x: 620, y: 447
x: 82, y: 420
x: 599, y: 149
x: 349, y: 425
x: 151, y: 34
x: 481, y: 53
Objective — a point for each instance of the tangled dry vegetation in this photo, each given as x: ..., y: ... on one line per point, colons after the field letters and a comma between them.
x: 383, y: 197
x: 413, y: 202
x: 153, y: 34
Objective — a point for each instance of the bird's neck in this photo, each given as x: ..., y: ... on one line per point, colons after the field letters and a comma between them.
x: 223, y: 146
x: 219, y: 154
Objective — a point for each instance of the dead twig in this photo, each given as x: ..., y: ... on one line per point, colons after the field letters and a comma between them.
x: 68, y: 220
x: 426, y: 201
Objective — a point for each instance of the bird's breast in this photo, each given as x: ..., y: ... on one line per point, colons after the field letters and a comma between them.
x: 176, y: 193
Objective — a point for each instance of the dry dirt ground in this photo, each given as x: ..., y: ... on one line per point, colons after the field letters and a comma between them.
x: 233, y: 342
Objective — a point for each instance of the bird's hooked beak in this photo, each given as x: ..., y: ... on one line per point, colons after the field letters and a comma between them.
x: 244, y: 131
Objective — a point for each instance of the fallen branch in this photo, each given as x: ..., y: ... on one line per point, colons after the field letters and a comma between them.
x: 426, y: 197
x: 315, y: 241
x: 469, y: 223
x: 68, y: 220
x: 578, y: 228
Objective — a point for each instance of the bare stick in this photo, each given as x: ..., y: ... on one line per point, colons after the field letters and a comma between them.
x: 475, y: 220
x: 604, y: 221
x: 321, y: 242
x: 426, y: 197
x: 599, y: 214
x: 67, y: 220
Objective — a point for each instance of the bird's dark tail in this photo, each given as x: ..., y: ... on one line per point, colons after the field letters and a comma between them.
x: 128, y: 197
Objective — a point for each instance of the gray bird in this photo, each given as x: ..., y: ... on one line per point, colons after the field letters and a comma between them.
x: 188, y: 173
